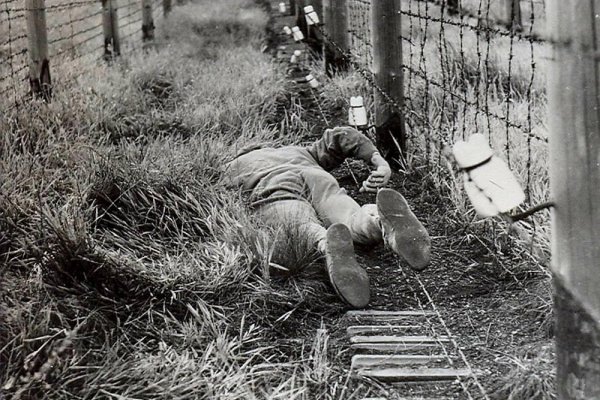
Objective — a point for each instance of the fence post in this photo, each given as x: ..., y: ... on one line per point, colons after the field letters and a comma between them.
x: 335, y: 18
x: 313, y: 32
x: 513, y: 12
x: 453, y: 7
x: 574, y: 93
x: 387, y: 65
x: 37, y: 35
x: 110, y: 24
x: 310, y: 32
x: 167, y: 6
x: 300, y: 17
x: 147, y: 21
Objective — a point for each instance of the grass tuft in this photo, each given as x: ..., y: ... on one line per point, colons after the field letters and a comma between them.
x: 531, y: 376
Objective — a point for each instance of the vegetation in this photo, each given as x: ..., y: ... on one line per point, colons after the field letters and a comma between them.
x: 130, y: 269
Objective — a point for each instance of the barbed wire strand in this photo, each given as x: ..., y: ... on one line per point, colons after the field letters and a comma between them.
x: 476, y: 104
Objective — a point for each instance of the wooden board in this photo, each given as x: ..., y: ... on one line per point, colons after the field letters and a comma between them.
x: 397, y: 347
x: 364, y: 361
x: 374, y: 398
x: 380, y: 313
x: 358, y: 329
x: 415, y: 374
x: 398, y: 339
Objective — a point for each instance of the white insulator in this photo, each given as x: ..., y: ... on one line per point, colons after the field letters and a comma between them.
x: 312, y: 81
x: 287, y: 30
x: 357, y: 113
x: 312, y: 18
x: 298, y: 35
x: 282, y: 8
x: 473, y: 151
x: 490, y: 184
x: 295, y: 56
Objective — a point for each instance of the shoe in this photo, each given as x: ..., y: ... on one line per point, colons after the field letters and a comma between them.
x: 402, y: 231
x: 348, y: 278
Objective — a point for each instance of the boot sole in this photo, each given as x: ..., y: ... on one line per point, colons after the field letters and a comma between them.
x: 410, y: 238
x: 350, y: 281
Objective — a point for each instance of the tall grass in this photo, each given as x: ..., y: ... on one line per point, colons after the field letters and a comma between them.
x: 130, y: 270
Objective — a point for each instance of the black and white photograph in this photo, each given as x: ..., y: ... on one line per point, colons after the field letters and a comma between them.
x: 300, y: 199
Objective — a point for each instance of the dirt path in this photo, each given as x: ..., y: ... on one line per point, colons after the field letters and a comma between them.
x: 491, y: 299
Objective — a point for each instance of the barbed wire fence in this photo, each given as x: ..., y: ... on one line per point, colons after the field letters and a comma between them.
x: 465, y: 73
x: 469, y: 66
x: 479, y: 66
x: 70, y: 37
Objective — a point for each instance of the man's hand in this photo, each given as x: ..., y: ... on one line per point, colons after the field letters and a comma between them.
x: 378, y: 178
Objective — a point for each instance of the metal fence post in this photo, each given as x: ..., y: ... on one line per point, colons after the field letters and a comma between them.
x: 110, y: 24
x: 387, y: 65
x: 574, y: 121
x: 39, y: 64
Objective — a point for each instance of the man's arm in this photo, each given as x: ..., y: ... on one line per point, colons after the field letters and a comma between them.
x: 345, y: 142
x: 340, y: 143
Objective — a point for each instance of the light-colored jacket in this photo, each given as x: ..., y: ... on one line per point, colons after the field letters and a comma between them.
x: 272, y: 174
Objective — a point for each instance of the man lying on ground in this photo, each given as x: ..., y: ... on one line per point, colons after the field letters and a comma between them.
x: 291, y: 186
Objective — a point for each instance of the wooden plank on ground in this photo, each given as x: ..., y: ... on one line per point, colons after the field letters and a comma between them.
x: 415, y: 374
x: 398, y: 339
x: 383, y: 314
x: 397, y: 347
x: 374, y: 398
x: 365, y: 361
x: 358, y: 329
x: 424, y: 398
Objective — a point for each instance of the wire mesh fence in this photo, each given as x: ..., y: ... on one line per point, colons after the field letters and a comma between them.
x: 74, y: 36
